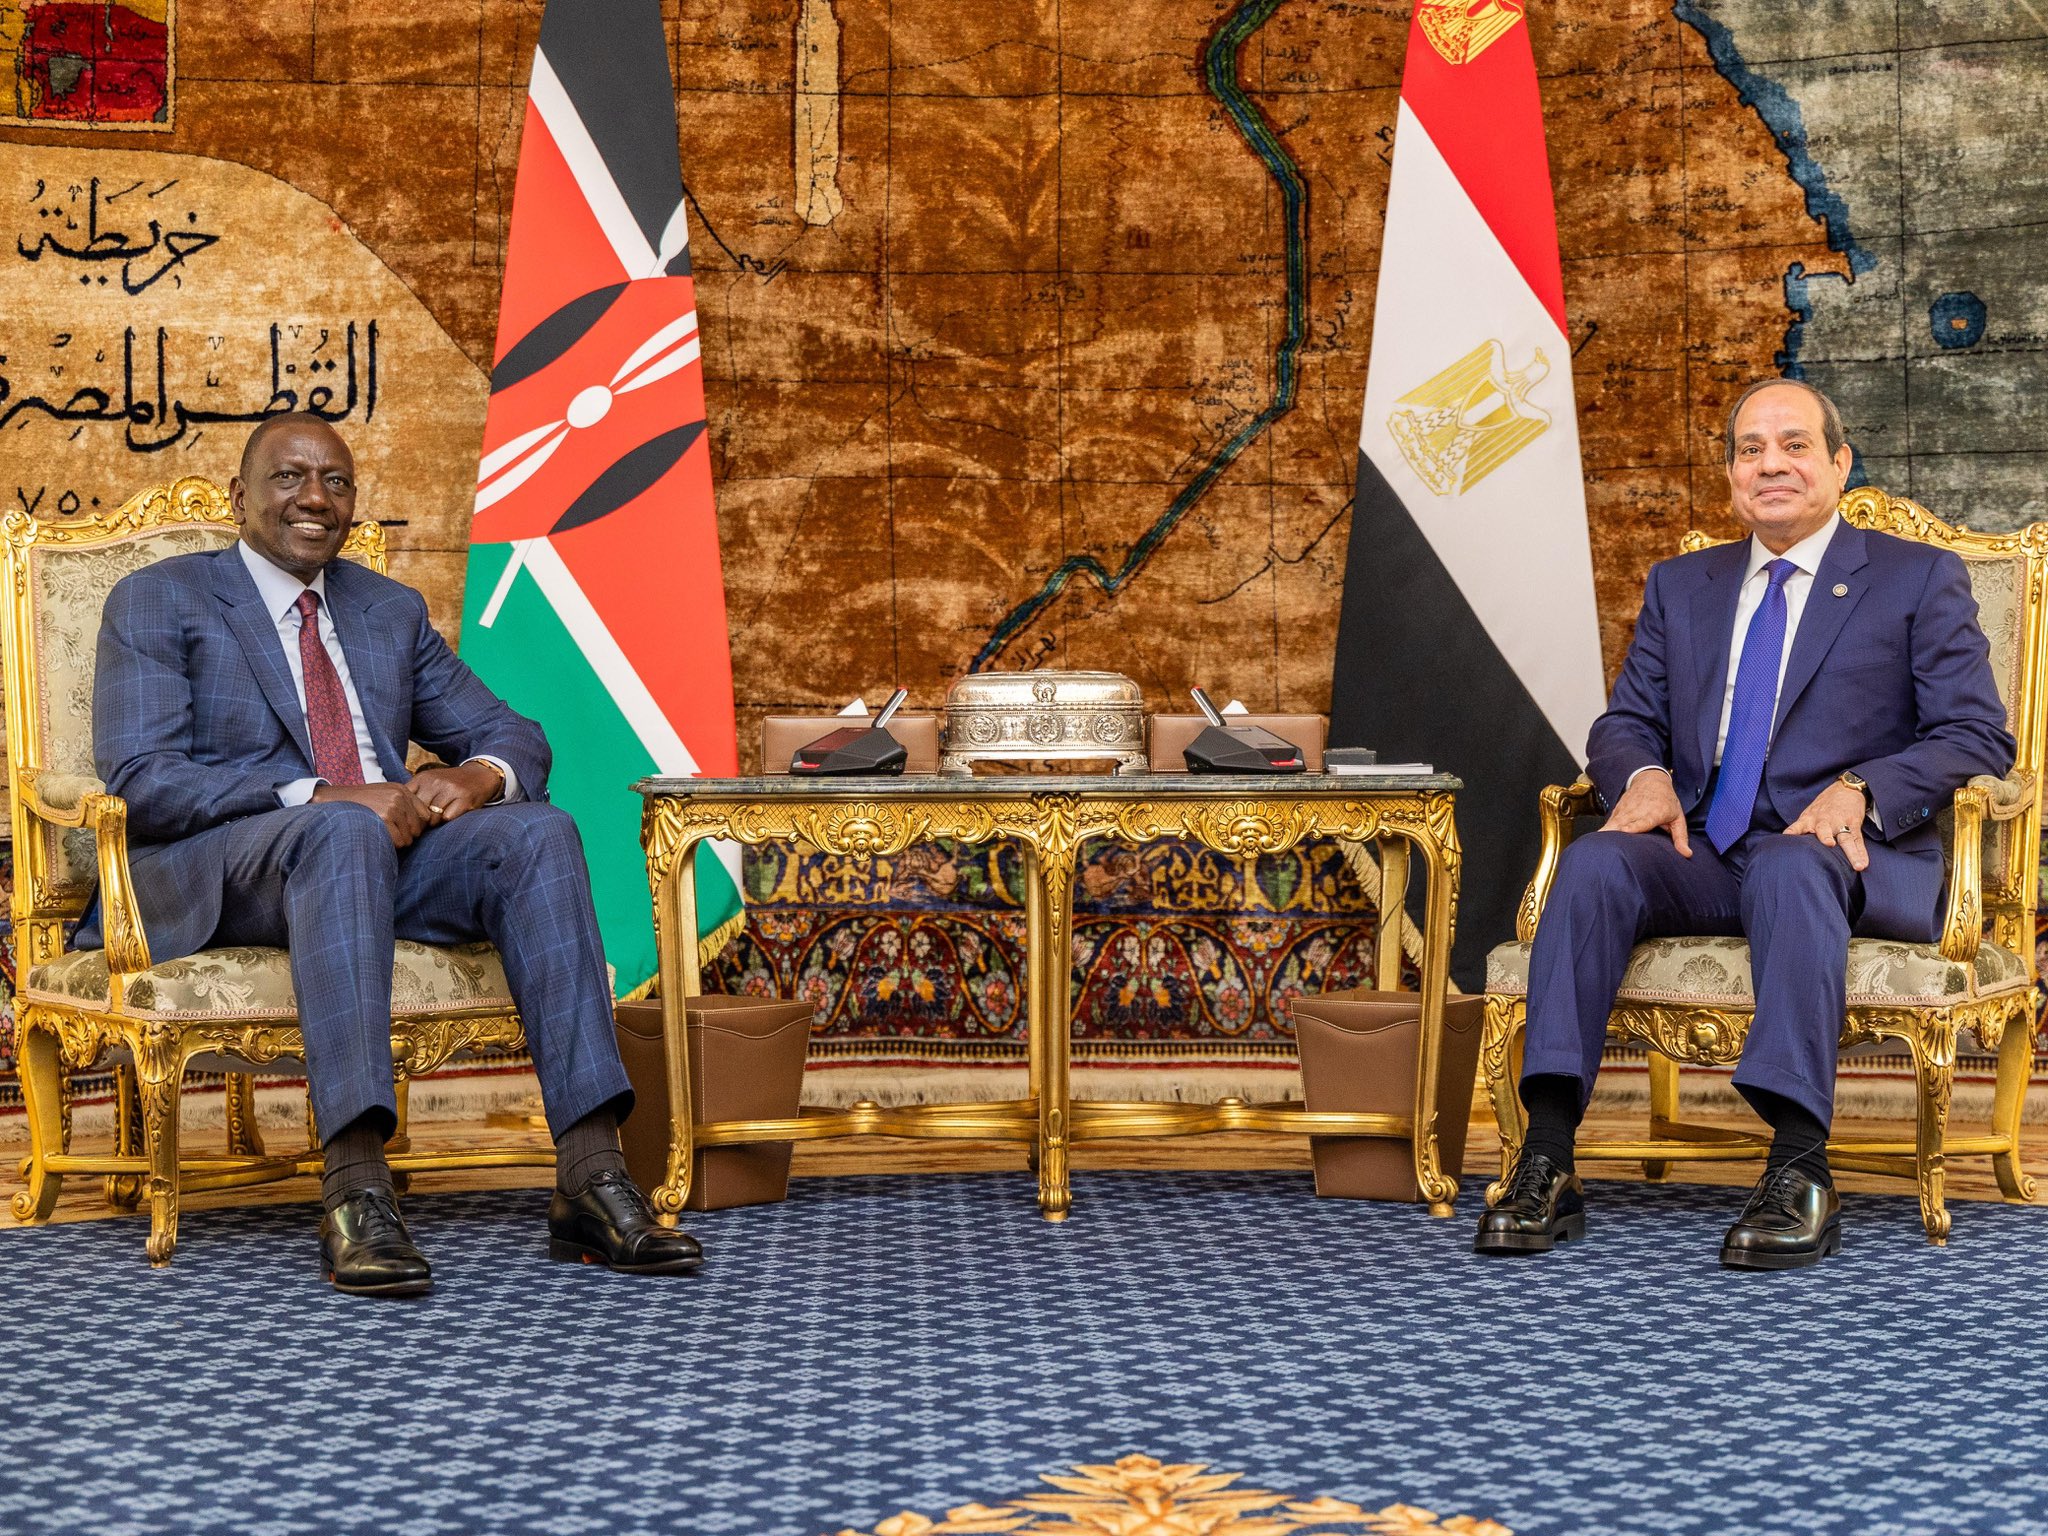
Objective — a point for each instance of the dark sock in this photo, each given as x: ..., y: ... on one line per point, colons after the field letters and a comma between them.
x: 590, y: 1146
x: 353, y: 1157
x: 1796, y: 1136
x: 1552, y: 1100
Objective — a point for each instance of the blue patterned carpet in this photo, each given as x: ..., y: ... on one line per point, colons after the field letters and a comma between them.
x: 879, y: 1345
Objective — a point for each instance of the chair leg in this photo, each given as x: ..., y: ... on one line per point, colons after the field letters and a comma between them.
x: 2015, y: 1068
x: 124, y: 1190
x: 39, y: 1062
x: 159, y: 1067
x: 1663, y: 1110
x: 401, y: 1135
x: 1500, y: 1053
x: 245, y: 1137
x: 1934, y: 1064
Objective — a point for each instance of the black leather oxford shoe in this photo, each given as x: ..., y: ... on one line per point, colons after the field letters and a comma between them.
x: 367, y: 1249
x: 611, y: 1223
x: 1542, y: 1207
x: 1792, y: 1220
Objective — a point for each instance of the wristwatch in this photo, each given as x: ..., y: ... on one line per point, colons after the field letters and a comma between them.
x: 1857, y: 782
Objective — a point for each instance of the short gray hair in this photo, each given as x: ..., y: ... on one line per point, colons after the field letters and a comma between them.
x: 1830, y: 419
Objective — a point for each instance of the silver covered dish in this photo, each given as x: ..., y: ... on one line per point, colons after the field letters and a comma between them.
x: 1047, y: 716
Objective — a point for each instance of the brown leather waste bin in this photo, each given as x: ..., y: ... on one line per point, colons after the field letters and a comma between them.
x: 1358, y: 1053
x: 746, y: 1063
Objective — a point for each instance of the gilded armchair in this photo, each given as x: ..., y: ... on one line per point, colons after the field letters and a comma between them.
x: 1688, y: 1000
x: 231, y: 1008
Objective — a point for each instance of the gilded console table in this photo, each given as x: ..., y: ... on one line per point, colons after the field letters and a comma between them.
x: 1051, y: 816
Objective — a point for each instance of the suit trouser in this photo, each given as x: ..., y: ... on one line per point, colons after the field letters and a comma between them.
x: 1794, y: 898
x: 325, y: 881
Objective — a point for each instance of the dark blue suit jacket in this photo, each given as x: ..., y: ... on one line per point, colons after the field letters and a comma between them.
x: 1892, y: 680
x: 196, y: 722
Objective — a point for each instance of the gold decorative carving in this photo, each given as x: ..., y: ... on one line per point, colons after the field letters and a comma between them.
x: 1052, y: 824
x: 1143, y: 1496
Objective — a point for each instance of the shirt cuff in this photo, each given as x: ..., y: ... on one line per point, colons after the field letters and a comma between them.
x: 1646, y: 768
x: 511, y: 790
x: 298, y: 792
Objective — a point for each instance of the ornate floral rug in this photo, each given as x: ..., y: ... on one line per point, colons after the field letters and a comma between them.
x: 1183, y: 958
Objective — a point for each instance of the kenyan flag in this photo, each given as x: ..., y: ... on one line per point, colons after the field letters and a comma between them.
x: 595, y: 601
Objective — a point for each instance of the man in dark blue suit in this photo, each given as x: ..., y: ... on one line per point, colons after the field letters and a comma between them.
x: 1793, y: 712
x: 253, y: 707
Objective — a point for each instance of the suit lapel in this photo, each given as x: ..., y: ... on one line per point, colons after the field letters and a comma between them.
x: 1825, y: 613
x: 1713, y: 633
x: 256, y: 631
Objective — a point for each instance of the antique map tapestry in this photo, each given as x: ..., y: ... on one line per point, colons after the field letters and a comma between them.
x: 1034, y: 332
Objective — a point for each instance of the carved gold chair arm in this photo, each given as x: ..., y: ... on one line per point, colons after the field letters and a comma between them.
x: 2008, y: 798
x: 59, y: 798
x: 79, y: 800
x: 1962, y: 928
x: 1561, y: 805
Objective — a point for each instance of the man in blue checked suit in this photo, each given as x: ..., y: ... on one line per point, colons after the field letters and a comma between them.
x: 253, y: 707
x: 1793, y: 712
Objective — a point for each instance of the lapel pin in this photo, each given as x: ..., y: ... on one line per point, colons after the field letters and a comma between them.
x: 1841, y: 589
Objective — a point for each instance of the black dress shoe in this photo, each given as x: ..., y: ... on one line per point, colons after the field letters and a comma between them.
x: 610, y: 1223
x: 367, y: 1249
x: 1544, y: 1205
x: 1792, y: 1220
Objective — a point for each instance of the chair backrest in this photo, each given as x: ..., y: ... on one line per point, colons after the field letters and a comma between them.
x: 55, y: 575
x: 2009, y: 578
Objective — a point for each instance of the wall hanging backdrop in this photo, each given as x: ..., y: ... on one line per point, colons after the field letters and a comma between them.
x: 1034, y: 333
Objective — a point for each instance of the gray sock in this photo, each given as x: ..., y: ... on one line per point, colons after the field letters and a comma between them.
x: 353, y: 1157
x: 590, y: 1146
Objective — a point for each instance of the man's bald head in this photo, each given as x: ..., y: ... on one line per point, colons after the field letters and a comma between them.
x: 303, y: 420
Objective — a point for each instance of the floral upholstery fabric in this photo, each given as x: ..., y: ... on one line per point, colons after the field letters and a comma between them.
x: 67, y: 590
x: 257, y: 983
x: 1715, y: 972
x: 1997, y: 584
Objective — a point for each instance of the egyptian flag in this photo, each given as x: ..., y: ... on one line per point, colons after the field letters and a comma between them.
x: 595, y: 600
x: 1468, y: 637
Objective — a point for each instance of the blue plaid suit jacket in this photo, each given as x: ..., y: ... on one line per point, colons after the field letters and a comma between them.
x: 196, y: 722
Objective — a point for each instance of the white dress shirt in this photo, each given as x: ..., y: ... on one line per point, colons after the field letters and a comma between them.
x: 1805, y: 556
x: 280, y: 591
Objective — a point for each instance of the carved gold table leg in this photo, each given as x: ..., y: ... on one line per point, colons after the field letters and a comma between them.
x: 675, y: 940
x: 1440, y: 854
x: 1036, y: 1044
x: 40, y: 1063
x: 1052, y: 970
x: 2015, y: 1066
x: 1393, y: 901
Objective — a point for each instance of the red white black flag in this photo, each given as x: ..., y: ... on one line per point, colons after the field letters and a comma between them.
x: 1469, y: 637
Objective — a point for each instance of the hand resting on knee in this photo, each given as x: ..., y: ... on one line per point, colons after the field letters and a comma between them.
x: 1650, y: 803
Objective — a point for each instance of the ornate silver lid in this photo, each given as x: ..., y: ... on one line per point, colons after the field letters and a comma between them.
x: 1028, y: 717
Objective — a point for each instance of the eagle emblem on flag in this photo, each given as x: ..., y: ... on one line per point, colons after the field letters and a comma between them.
x: 1470, y: 419
x: 1461, y: 30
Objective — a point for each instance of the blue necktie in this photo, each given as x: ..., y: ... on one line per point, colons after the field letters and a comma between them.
x: 1749, y: 719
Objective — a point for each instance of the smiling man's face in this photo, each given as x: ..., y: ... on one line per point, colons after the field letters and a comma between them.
x: 1782, y: 481
x: 296, y: 495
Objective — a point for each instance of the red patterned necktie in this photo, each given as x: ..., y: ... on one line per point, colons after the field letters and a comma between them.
x: 328, y: 722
